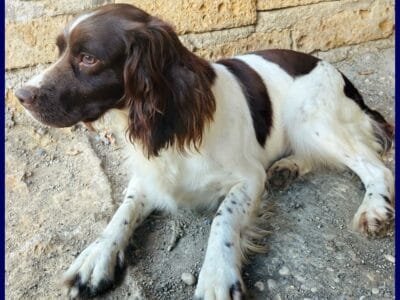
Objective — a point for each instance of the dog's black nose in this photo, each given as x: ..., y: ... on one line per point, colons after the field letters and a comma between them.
x: 27, y: 95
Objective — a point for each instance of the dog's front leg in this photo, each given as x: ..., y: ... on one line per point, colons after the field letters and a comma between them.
x: 94, y: 270
x: 220, y: 277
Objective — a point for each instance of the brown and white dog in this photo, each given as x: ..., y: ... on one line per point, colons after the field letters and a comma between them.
x: 203, y: 134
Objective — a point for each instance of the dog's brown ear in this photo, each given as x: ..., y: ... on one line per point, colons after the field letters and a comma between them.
x: 167, y: 89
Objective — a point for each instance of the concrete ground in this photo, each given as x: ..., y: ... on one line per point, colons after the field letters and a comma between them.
x: 63, y: 185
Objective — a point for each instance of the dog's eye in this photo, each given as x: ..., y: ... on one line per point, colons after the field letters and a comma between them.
x: 88, y: 59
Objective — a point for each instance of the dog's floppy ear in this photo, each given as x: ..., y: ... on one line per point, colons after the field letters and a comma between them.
x: 167, y: 89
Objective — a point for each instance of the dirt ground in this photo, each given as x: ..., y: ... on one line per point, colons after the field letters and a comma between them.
x: 63, y: 185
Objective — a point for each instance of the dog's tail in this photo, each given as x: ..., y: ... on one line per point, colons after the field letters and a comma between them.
x: 383, y: 130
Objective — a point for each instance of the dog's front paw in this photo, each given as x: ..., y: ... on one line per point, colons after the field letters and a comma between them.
x: 219, y: 283
x: 374, y: 217
x: 94, y: 270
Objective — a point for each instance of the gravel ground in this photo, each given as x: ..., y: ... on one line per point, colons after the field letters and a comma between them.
x: 63, y: 185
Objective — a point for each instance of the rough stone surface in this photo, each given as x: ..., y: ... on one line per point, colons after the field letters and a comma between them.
x: 12, y: 101
x: 229, y: 42
x: 255, y: 41
x: 32, y: 42
x: 374, y: 22
x: 211, y: 39
x: 63, y: 185
x: 205, y: 15
x: 274, y: 4
x: 340, y: 54
x: 213, y: 29
x: 329, y: 25
x: 23, y: 10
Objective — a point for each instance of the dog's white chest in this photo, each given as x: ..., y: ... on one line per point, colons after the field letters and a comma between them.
x: 183, y: 180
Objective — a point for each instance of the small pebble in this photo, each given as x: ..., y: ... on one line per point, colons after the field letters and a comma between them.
x: 284, y: 271
x: 375, y: 291
x: 188, y: 278
x: 271, y: 284
x: 389, y: 258
x: 370, y: 277
x: 300, y: 278
x: 313, y: 290
x: 336, y: 279
x: 259, y: 285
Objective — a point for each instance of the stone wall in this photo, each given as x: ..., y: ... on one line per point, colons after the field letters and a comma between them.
x: 210, y: 28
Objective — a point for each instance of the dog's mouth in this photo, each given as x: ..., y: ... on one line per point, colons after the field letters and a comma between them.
x: 51, y: 121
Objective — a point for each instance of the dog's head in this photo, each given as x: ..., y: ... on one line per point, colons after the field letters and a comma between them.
x: 120, y: 56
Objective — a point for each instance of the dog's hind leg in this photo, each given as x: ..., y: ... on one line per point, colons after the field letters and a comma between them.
x: 95, y: 269
x: 376, y: 211
x: 328, y: 123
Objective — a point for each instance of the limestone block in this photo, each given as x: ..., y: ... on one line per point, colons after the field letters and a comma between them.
x: 256, y: 41
x: 200, y: 15
x: 32, y: 42
x: 19, y: 10
x: 274, y: 4
x: 328, y: 25
x: 347, y: 27
x: 195, y: 41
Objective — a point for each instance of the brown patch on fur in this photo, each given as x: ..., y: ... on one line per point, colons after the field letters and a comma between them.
x: 294, y: 63
x: 256, y: 94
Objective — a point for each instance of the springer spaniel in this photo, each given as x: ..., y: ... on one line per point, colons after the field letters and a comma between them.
x: 203, y: 134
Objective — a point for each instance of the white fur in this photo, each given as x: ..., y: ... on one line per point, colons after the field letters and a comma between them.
x: 312, y: 119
